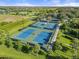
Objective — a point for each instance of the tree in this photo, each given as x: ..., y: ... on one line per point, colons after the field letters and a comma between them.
x: 8, y: 43
x: 55, y: 57
x: 17, y: 45
x: 42, y: 52
x: 57, y: 46
x: 26, y: 48
x: 36, y: 49
x: 75, y: 48
x: 3, y: 36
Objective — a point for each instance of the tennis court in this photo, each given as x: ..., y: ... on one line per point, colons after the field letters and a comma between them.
x: 35, y: 34
x: 24, y: 34
x: 44, y: 25
x: 42, y: 37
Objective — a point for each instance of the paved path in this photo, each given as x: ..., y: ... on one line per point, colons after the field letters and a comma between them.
x: 54, y: 37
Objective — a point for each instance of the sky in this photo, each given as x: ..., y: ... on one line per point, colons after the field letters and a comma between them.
x: 39, y: 3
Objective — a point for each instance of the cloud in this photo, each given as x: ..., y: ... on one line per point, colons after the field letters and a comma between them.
x: 44, y: 3
x: 23, y: 4
x: 62, y: 3
x: 69, y: 4
x: 16, y: 4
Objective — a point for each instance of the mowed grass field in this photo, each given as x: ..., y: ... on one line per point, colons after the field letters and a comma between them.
x: 12, y: 53
x: 67, y: 45
x: 12, y: 28
x: 12, y: 18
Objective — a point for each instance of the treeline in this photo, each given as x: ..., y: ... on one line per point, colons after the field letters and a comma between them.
x: 63, y: 14
x: 24, y: 10
x: 56, y: 12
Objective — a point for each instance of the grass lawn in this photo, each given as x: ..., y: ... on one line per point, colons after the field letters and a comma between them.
x: 10, y: 52
x: 65, y: 42
x: 62, y: 39
x: 13, y: 27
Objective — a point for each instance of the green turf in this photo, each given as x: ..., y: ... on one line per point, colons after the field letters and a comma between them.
x: 10, y: 52
x: 66, y: 43
x: 62, y: 39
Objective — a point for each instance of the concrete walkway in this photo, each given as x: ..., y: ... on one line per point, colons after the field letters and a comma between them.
x: 54, y: 37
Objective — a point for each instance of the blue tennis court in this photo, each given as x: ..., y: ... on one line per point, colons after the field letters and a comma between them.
x: 42, y: 38
x: 24, y: 34
x: 45, y: 25
x: 35, y: 34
